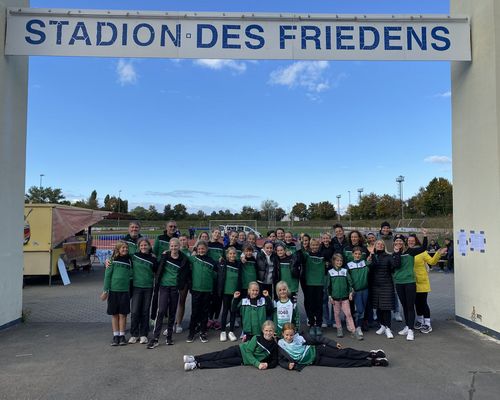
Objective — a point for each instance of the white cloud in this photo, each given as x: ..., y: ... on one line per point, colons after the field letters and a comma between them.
x: 444, y: 94
x: 126, y: 73
x: 195, y: 193
x: 236, y: 66
x: 304, y: 74
x: 438, y: 160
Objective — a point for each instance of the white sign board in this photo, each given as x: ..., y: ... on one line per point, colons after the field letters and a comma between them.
x: 235, y: 35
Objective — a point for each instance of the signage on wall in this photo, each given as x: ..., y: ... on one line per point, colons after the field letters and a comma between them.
x: 99, y: 33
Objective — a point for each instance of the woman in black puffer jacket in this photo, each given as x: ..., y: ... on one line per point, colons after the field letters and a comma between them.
x: 382, y: 294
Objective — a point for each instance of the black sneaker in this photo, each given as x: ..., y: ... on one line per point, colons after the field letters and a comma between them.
x: 426, y: 329
x: 377, y: 353
x: 203, y: 338
x: 169, y: 341
x: 190, y: 338
x: 123, y: 341
x: 152, y: 343
x: 115, y: 341
x: 380, y: 362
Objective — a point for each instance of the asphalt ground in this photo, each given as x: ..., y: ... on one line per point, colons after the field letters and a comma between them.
x: 62, y: 351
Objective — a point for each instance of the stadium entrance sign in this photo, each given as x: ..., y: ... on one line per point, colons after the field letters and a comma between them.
x: 236, y: 36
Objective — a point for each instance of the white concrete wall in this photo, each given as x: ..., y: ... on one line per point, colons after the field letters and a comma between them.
x: 476, y: 164
x: 13, y: 103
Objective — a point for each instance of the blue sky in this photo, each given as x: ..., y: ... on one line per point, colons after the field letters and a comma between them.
x: 223, y: 134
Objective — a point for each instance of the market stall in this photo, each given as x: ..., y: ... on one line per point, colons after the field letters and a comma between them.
x: 57, y: 236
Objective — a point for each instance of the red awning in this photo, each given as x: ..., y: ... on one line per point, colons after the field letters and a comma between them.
x: 67, y: 221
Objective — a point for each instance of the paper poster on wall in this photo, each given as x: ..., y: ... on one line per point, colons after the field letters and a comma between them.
x: 477, y: 241
x: 462, y: 242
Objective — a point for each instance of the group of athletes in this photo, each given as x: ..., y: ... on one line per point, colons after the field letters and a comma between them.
x: 257, y: 287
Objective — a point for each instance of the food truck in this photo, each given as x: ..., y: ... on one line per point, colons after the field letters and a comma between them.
x: 55, y: 234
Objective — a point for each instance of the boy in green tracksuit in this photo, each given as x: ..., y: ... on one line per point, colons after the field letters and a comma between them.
x: 261, y: 352
x: 340, y: 292
x: 204, y: 278
x: 253, y: 309
x: 116, y: 291
x: 358, y: 270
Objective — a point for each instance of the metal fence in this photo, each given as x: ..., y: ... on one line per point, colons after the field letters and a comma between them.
x: 108, y: 241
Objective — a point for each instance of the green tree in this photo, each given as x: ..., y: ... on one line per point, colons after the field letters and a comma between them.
x: 248, y: 212
x: 415, y: 204
x: 280, y: 213
x: 44, y: 195
x: 139, y: 213
x: 168, y: 213
x: 322, y: 210
x: 438, y: 198
x: 388, y: 207
x: 367, y: 206
x: 299, y: 210
x: 153, y: 214
x: 106, y: 203
x: 268, y: 210
x: 179, y: 211
x: 92, y: 202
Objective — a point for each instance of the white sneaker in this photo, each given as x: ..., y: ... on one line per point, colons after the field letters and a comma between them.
x: 232, y: 337
x: 388, y: 333
x: 133, y: 339
x: 410, y: 335
x: 165, y: 332
x: 188, y: 359
x: 381, y: 330
x: 189, y: 366
x: 359, y: 333
x: 223, y: 337
x: 397, y: 316
x: 404, y: 331
x: 144, y: 340
x: 178, y: 329
x: 324, y: 325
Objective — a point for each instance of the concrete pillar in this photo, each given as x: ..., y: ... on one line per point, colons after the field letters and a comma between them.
x: 13, y: 109
x: 476, y: 166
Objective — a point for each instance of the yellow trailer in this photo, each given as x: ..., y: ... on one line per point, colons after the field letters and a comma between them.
x: 53, y: 232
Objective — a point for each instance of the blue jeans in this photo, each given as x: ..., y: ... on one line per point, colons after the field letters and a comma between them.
x: 361, y: 301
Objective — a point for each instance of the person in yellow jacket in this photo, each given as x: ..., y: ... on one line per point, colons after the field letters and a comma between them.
x: 423, y: 318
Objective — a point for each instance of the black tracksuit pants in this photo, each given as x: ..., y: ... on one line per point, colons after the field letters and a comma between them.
x: 200, y: 302
x: 384, y: 317
x: 230, y: 357
x: 342, y: 358
x: 421, y: 305
x: 168, y: 297
x: 407, y: 293
x: 141, y: 302
x: 227, y: 300
x: 313, y: 303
